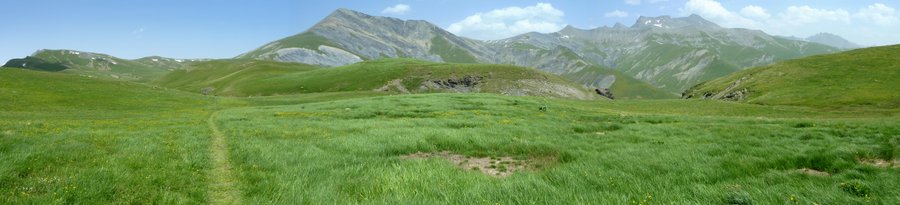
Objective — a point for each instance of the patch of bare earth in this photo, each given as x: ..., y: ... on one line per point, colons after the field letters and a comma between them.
x: 881, y: 163
x: 493, y: 166
x: 813, y: 172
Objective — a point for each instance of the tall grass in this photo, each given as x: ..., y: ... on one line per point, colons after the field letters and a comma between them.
x: 607, y: 152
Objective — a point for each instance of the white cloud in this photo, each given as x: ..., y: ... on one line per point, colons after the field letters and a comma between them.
x: 633, y: 2
x: 714, y: 11
x: 879, y: 14
x: 510, y: 21
x: 797, y: 15
x: 398, y: 9
x: 616, y: 14
x: 870, y: 25
x: 138, y: 33
x: 755, y: 12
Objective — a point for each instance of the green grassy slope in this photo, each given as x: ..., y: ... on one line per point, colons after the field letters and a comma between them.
x: 668, y: 80
x: 450, y: 53
x: 625, y: 87
x: 26, y: 90
x: 96, y: 65
x: 306, y: 40
x: 68, y: 139
x: 723, y: 59
x: 365, y: 76
x: 863, y: 77
x: 228, y: 77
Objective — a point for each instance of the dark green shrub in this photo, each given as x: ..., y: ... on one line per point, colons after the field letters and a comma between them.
x: 803, y: 125
x: 856, y: 188
x: 739, y: 198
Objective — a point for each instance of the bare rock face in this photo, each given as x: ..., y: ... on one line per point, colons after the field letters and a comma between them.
x: 733, y: 92
x: 467, y: 83
x: 325, y: 56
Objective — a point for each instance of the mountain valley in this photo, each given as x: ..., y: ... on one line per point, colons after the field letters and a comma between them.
x: 364, y: 109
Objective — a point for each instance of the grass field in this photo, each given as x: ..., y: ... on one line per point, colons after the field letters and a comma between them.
x: 122, y: 142
x: 350, y: 151
x: 67, y: 139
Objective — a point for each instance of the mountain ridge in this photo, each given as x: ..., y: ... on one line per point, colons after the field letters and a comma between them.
x: 832, y: 40
x: 669, y: 53
x: 99, y: 65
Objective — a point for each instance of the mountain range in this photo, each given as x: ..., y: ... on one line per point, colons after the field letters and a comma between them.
x: 671, y: 54
x: 656, y: 57
x: 832, y: 40
x: 100, y: 65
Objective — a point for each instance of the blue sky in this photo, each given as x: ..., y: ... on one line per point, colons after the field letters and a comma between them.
x: 226, y: 28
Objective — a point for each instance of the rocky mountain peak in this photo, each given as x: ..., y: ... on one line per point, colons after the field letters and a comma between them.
x: 349, y: 19
x: 347, y: 13
x: 570, y: 29
x: 669, y: 22
x: 343, y: 15
x: 695, y: 19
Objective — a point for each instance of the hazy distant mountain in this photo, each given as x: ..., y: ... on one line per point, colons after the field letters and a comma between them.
x: 832, y: 40
x: 98, y: 65
x: 668, y: 53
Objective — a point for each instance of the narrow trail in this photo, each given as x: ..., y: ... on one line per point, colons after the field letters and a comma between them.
x: 223, y: 188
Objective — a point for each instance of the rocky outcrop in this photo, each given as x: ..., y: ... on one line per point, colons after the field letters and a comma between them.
x: 394, y: 85
x: 538, y: 86
x: 734, y: 92
x: 605, y: 93
x: 467, y: 83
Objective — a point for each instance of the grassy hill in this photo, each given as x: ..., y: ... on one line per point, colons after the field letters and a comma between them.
x: 618, y: 152
x: 78, y: 140
x: 228, y: 77
x: 258, y: 78
x: 862, y: 77
x: 624, y: 86
x: 98, y: 65
x: 28, y: 90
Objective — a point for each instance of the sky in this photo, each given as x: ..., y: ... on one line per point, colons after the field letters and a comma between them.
x: 226, y: 28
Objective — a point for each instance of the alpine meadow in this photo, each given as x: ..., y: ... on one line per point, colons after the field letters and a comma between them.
x: 687, y: 107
